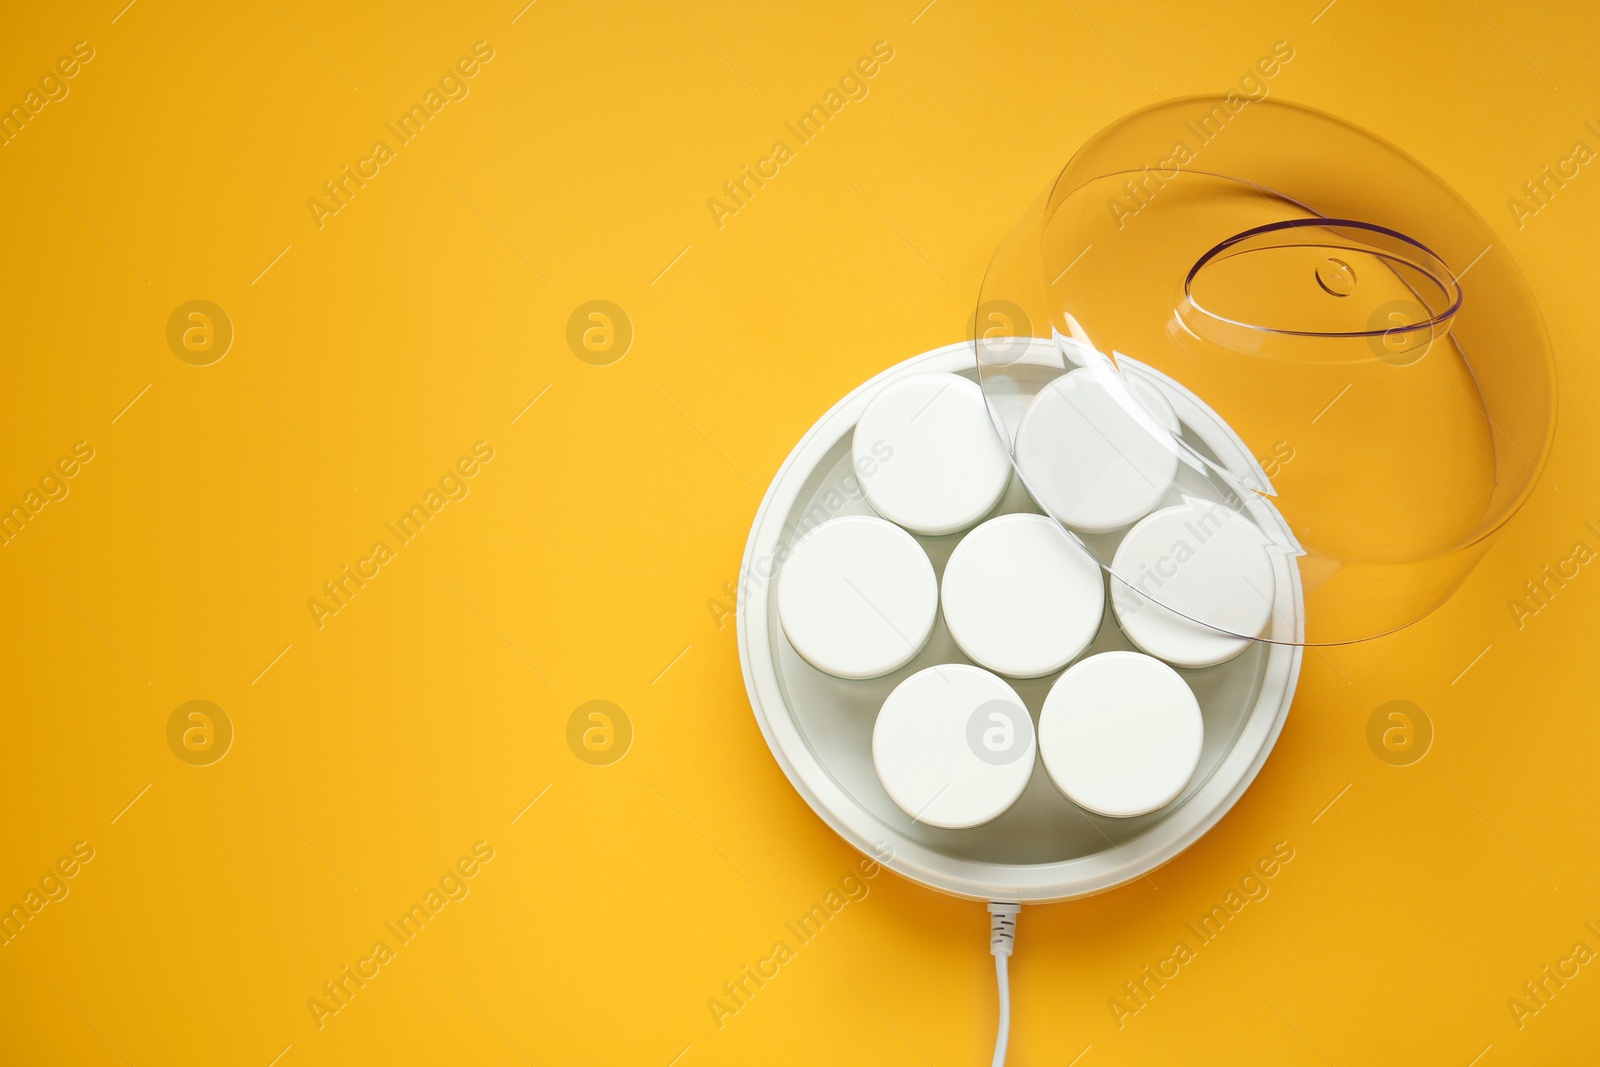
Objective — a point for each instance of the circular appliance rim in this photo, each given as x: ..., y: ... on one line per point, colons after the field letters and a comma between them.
x: 970, y: 879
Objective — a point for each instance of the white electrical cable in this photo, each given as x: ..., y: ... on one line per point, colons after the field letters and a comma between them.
x: 1003, y: 1035
x: 1002, y: 932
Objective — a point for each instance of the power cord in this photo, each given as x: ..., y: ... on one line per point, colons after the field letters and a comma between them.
x: 1002, y: 932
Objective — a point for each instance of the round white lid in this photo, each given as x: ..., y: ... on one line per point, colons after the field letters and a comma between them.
x: 1021, y: 597
x: 927, y: 454
x: 858, y: 597
x: 1195, y: 560
x: 1120, y: 734
x: 953, y: 746
x: 1090, y: 461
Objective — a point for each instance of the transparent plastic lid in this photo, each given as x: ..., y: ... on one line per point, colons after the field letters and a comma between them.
x: 1240, y: 340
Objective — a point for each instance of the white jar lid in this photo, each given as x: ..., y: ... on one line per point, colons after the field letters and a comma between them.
x: 927, y: 454
x: 953, y: 746
x: 1120, y: 734
x: 1195, y: 560
x: 1087, y: 459
x: 1021, y: 597
x: 858, y: 597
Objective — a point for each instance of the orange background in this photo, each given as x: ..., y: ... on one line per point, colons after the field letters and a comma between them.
x: 370, y: 754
